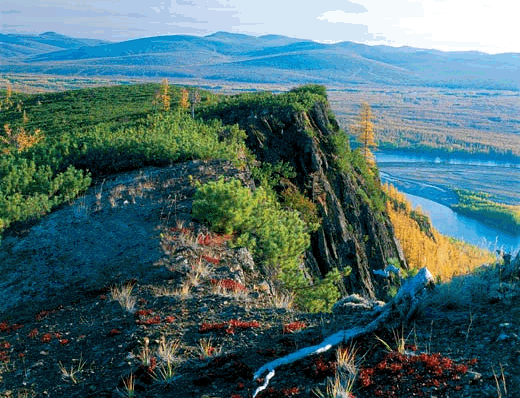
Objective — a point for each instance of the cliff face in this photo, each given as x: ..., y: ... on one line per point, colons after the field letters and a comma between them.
x: 353, y: 233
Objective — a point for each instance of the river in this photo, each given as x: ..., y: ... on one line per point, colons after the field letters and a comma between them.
x: 406, y: 157
x: 427, y: 182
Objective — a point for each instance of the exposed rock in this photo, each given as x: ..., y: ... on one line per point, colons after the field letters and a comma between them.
x: 355, y: 302
x: 474, y: 376
x: 503, y: 337
x: 353, y: 233
x: 244, y: 257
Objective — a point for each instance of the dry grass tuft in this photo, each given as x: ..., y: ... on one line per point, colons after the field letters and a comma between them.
x: 346, y: 358
x: 184, y: 291
x: 342, y: 385
x: 20, y: 393
x: 73, y: 372
x: 206, y: 349
x: 282, y: 300
x: 167, y: 350
x: 129, y: 385
x: 202, y: 268
x: 500, y: 382
x: 123, y: 295
x: 480, y: 287
x: 162, y: 291
x: 399, y: 342
x: 145, y: 353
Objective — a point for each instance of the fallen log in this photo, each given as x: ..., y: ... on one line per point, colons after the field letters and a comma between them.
x: 400, y: 309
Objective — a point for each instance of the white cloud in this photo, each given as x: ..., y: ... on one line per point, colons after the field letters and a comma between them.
x: 337, y: 16
x: 343, y: 15
x: 465, y: 25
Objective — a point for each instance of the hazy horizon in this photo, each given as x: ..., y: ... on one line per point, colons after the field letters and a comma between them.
x: 456, y: 25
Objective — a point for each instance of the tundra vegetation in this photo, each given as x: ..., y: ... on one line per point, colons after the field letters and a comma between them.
x: 108, y: 130
x: 55, y: 144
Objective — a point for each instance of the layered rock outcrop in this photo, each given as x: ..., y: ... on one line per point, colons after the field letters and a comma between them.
x: 354, y: 233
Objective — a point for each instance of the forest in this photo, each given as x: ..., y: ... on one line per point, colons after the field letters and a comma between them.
x: 479, y: 124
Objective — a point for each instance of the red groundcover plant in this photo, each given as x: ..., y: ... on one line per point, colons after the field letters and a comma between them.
x: 229, y: 327
x: 294, y: 326
x: 397, y: 373
x: 228, y: 284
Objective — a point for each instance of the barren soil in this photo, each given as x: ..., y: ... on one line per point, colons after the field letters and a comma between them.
x: 74, y: 340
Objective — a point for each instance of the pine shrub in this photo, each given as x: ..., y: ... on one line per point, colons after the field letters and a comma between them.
x: 226, y: 206
x: 277, y: 237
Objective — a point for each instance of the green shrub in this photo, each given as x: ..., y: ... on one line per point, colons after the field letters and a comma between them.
x: 158, y: 140
x: 340, y: 149
x: 277, y: 237
x: 371, y: 183
x: 311, y: 88
x: 98, y: 132
x: 282, y: 238
x: 270, y: 176
x: 225, y: 206
x: 277, y: 178
x: 307, y: 209
x: 28, y: 191
x: 300, y: 99
x: 322, y: 296
x: 480, y: 206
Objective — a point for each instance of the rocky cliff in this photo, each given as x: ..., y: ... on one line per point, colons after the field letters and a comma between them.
x: 354, y: 232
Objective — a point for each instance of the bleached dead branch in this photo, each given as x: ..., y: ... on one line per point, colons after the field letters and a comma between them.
x: 402, y: 308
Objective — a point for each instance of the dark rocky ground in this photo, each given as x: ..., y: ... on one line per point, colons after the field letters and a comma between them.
x: 72, y: 339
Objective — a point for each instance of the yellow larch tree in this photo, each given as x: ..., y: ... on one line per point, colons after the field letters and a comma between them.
x: 444, y: 257
x: 165, y: 95
x: 20, y: 139
x: 184, y: 102
x: 6, y: 103
x: 365, y: 131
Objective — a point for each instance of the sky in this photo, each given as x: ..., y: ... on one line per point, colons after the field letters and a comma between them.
x: 489, y: 26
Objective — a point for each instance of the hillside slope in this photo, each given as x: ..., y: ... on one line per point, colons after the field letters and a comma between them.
x: 15, y: 46
x: 274, y: 59
x: 121, y: 292
x: 296, y: 128
x: 199, y: 321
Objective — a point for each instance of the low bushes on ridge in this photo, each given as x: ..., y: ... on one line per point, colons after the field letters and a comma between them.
x: 277, y: 237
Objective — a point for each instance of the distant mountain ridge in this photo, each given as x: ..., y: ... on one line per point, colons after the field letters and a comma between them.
x: 234, y: 57
x: 20, y: 46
